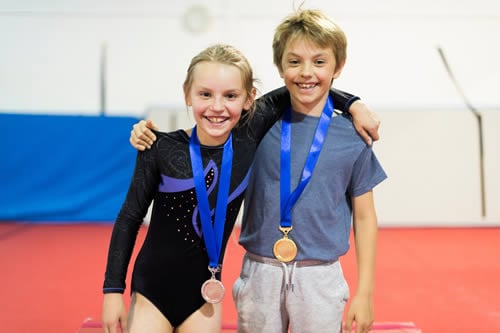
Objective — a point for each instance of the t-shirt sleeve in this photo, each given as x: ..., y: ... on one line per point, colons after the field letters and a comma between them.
x: 366, y: 174
x: 139, y: 196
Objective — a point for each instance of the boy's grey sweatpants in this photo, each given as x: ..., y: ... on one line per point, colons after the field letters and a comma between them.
x: 302, y: 296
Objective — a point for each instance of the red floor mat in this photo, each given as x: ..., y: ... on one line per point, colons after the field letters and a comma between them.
x: 444, y: 280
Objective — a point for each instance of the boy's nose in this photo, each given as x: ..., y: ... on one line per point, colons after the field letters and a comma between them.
x: 306, y: 70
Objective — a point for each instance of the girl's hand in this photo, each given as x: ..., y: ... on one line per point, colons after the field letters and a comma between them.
x: 114, y: 312
x: 141, y: 136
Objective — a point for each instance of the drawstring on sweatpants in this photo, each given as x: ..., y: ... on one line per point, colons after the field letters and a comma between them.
x: 288, y: 268
x: 288, y: 275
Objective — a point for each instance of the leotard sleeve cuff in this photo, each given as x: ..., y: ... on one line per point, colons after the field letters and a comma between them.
x: 113, y: 290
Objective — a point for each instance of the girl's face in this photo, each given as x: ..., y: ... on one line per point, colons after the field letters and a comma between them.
x: 308, y: 71
x: 217, y: 97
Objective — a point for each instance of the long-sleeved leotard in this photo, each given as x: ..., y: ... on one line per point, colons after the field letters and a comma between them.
x: 172, y: 263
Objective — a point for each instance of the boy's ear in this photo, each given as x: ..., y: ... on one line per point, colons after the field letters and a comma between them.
x: 280, y: 71
x: 338, y: 70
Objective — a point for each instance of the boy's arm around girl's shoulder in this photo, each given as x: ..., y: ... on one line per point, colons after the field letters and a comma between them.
x: 280, y: 98
x: 342, y: 100
x: 271, y: 106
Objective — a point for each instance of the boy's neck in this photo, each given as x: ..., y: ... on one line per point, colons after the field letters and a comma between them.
x: 310, y: 109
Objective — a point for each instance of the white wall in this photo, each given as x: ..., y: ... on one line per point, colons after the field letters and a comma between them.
x: 50, y: 63
x: 433, y: 162
x: 50, y: 50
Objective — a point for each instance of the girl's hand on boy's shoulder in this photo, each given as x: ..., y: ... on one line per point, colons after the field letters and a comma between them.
x: 141, y: 136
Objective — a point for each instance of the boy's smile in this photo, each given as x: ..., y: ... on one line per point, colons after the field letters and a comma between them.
x: 308, y: 71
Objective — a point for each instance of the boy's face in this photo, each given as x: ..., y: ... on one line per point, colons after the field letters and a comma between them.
x: 308, y: 71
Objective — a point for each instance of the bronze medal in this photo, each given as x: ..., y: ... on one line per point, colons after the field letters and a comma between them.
x: 213, y: 291
x: 285, y: 249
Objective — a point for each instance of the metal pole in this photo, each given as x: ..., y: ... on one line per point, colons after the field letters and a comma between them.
x: 479, y: 119
x: 102, y: 86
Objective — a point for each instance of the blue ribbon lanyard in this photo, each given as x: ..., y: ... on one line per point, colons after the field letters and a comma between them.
x: 287, y: 200
x: 212, y: 233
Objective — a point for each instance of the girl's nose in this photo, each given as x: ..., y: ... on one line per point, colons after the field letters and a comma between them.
x: 218, y: 104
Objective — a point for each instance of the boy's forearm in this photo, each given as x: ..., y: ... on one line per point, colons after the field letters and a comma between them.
x: 343, y: 100
x: 366, y: 246
x: 280, y: 97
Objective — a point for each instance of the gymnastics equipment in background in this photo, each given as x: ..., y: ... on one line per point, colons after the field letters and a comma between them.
x: 479, y: 120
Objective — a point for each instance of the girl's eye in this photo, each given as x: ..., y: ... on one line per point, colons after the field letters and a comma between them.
x: 204, y: 94
x: 320, y: 62
x: 231, y: 96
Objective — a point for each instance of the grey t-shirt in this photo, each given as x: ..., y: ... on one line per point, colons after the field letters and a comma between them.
x: 322, y: 215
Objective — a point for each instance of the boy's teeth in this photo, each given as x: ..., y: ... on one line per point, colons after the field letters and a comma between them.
x: 306, y: 86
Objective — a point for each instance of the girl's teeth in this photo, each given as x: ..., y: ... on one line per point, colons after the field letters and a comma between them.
x: 216, y: 120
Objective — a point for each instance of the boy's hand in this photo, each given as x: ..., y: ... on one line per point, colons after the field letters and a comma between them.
x: 366, y: 122
x: 141, y: 136
x: 361, y: 312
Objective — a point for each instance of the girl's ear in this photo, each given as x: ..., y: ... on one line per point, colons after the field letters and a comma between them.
x: 250, y: 99
x: 187, y: 97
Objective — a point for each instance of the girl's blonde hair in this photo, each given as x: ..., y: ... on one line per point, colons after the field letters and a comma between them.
x: 227, y: 55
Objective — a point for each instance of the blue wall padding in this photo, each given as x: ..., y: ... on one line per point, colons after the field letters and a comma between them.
x: 64, y: 168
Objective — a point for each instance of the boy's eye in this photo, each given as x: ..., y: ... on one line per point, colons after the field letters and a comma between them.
x: 320, y: 62
x: 204, y: 94
x: 293, y: 62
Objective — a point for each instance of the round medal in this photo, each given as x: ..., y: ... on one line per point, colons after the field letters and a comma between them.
x: 285, y: 249
x: 213, y: 291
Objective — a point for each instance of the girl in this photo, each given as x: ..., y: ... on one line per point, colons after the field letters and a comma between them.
x: 173, y: 265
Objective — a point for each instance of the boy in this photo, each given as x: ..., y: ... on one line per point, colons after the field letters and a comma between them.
x: 291, y: 278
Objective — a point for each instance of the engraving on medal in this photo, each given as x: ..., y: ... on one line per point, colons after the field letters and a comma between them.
x: 213, y: 291
x: 285, y: 249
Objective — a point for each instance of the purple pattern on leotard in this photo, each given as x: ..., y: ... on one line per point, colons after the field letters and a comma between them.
x: 231, y: 197
x: 173, y: 185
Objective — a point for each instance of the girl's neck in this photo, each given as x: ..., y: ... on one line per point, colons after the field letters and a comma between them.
x: 208, y: 140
